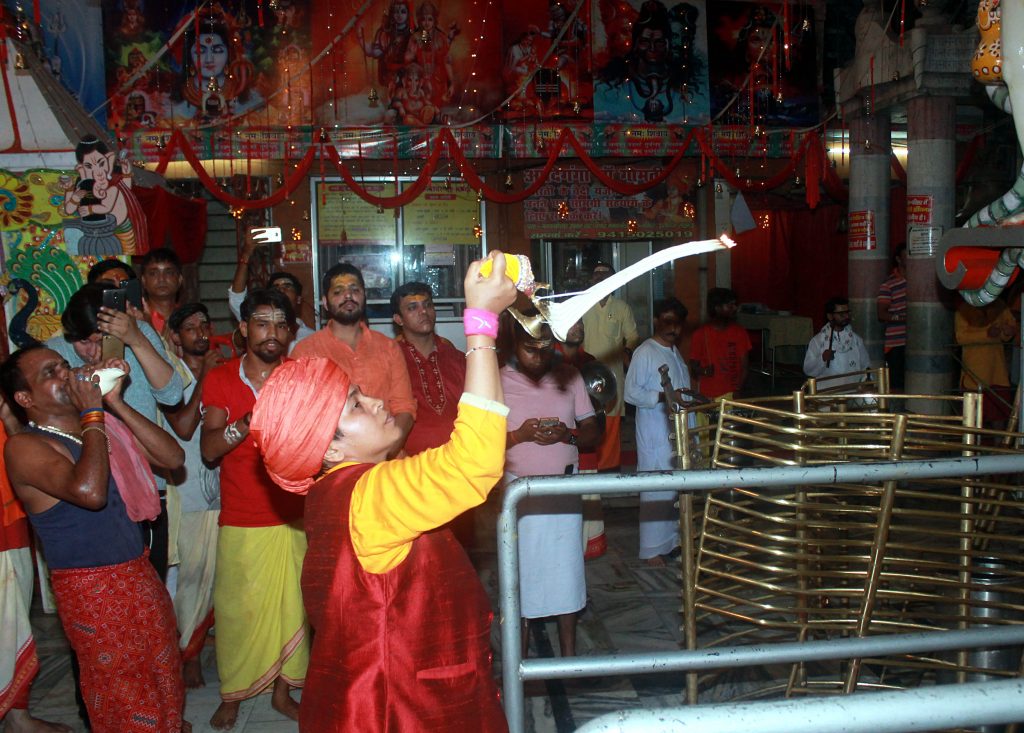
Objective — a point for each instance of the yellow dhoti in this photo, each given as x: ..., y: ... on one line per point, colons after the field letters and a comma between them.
x: 261, y: 623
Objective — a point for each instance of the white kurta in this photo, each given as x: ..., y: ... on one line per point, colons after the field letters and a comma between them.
x: 850, y: 356
x: 659, y: 518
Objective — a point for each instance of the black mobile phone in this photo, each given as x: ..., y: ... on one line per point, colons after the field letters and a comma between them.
x: 133, y: 293
x: 114, y: 299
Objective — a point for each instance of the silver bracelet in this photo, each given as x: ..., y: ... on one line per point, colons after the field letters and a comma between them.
x: 480, y: 348
x: 232, y: 435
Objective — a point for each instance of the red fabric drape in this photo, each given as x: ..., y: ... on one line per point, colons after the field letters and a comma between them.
x: 174, y: 221
x: 797, y: 263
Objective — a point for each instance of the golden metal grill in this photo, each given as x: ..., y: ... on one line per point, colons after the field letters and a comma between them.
x: 849, y: 560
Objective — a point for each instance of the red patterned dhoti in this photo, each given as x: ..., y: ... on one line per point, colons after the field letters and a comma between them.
x: 120, y: 622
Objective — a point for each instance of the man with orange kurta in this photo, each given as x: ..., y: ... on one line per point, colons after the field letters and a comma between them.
x: 402, y: 622
x: 370, y: 359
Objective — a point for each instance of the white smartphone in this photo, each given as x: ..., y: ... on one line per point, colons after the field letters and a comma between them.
x: 265, y: 235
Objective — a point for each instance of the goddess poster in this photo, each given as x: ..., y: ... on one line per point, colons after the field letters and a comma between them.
x: 651, y: 62
x: 407, y: 64
x: 746, y: 42
x: 546, y: 71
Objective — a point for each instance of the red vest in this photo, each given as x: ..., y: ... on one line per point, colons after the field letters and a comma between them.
x: 403, y: 651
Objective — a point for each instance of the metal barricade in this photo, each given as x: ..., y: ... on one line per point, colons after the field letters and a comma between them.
x: 962, y: 471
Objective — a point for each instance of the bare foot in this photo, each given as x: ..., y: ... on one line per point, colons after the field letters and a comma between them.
x: 282, y: 701
x: 18, y: 720
x: 225, y: 716
x: 192, y: 671
x: 655, y: 562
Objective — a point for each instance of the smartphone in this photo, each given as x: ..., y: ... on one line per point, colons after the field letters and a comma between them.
x: 548, y: 422
x: 265, y: 235
x: 114, y: 299
x: 133, y: 293
x: 111, y: 348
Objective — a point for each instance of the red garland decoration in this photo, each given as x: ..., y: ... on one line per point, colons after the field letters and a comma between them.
x: 445, y: 139
x: 296, y: 179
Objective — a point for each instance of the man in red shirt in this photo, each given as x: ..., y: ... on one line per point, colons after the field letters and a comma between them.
x: 720, y: 349
x: 437, y: 370
x: 262, y: 636
x: 370, y: 359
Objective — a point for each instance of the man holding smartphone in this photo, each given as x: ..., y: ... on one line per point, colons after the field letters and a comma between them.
x: 546, y: 402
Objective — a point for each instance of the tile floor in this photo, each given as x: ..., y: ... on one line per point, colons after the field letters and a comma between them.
x: 631, y: 607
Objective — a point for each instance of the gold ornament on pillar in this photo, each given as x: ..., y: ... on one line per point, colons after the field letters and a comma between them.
x: 563, y: 210
x: 478, y: 231
x: 632, y: 227
x: 373, y: 99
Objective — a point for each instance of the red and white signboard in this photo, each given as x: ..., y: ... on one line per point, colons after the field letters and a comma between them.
x: 919, y: 210
x: 862, y: 230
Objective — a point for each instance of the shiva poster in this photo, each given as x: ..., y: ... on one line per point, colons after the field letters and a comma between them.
x: 753, y: 82
x: 546, y: 70
x: 168, y: 65
x: 651, y: 62
x: 407, y: 63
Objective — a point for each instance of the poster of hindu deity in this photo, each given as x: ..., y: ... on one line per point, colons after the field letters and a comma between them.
x: 168, y: 65
x: 651, y: 62
x: 71, y: 41
x: 752, y: 83
x: 408, y: 63
x: 546, y: 71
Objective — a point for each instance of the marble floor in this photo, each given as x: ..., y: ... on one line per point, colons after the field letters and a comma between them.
x: 631, y: 607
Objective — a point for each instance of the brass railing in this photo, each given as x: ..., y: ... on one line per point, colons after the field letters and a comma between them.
x: 837, y: 560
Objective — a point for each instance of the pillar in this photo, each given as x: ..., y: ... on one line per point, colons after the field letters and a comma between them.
x: 931, y: 192
x: 868, y: 223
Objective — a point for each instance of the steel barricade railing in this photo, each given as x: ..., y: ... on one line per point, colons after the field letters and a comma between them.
x: 901, y: 711
x: 515, y: 670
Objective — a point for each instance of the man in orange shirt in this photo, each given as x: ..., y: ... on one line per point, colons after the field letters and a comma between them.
x: 720, y: 349
x: 371, y: 360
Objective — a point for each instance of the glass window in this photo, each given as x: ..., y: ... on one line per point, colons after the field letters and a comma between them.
x: 431, y: 240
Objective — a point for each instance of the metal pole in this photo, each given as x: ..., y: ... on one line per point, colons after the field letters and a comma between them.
x: 790, y: 652
x: 922, y: 709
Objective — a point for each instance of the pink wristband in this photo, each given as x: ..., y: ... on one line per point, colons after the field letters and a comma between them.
x: 479, y: 322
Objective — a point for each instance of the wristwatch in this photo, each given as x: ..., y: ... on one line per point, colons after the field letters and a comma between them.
x: 572, y: 439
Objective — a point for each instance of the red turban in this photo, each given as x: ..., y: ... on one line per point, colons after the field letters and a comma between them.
x: 295, y: 418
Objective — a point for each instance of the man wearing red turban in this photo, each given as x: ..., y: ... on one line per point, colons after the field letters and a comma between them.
x: 402, y: 622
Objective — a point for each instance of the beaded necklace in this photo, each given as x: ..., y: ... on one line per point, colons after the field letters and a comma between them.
x: 55, y: 431
x: 418, y: 360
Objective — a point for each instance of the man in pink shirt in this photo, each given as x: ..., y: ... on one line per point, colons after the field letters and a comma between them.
x: 371, y: 360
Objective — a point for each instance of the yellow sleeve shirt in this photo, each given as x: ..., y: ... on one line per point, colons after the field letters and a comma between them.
x: 396, y: 501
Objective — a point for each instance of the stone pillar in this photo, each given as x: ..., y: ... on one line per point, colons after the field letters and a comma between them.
x: 868, y: 220
x: 931, y: 192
